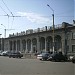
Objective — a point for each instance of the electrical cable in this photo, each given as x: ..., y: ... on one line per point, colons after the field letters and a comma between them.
x: 7, y: 7
x: 3, y: 10
x: 10, y: 12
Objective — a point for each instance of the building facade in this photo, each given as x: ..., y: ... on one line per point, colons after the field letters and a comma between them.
x: 41, y: 39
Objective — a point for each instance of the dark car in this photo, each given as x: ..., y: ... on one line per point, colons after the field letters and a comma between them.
x: 15, y: 55
x: 73, y: 59
x: 45, y: 56
x: 57, y: 57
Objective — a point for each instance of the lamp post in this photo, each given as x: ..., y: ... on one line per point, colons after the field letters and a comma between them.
x: 0, y: 35
x: 53, y: 26
x: 0, y: 42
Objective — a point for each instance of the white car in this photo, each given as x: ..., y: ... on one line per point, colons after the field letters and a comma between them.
x: 70, y: 58
x: 5, y: 53
x: 1, y: 52
x: 43, y: 56
x: 39, y: 56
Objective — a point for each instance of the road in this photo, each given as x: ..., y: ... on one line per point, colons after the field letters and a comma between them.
x: 14, y: 66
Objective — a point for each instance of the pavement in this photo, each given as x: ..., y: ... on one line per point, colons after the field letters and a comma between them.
x: 24, y: 66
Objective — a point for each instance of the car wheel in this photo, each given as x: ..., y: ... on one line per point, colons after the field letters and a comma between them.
x: 43, y: 59
x: 40, y: 59
x: 56, y: 60
x: 19, y: 57
x: 73, y: 61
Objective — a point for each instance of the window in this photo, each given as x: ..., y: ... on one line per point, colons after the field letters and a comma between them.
x: 73, y: 48
x: 73, y: 35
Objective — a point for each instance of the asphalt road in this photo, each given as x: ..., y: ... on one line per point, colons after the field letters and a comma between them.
x: 14, y: 66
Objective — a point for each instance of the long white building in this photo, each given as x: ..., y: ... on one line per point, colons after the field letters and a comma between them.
x: 41, y: 39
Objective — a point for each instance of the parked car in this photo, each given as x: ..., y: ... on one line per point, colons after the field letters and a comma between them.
x: 57, y: 57
x: 1, y: 52
x: 15, y: 55
x: 43, y: 56
x: 73, y: 59
x: 70, y: 57
x: 5, y: 53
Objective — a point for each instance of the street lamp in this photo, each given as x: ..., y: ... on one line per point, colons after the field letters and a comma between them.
x: 0, y: 35
x: 53, y: 26
x: 0, y: 42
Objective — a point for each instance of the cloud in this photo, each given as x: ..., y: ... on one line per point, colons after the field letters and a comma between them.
x: 36, y: 18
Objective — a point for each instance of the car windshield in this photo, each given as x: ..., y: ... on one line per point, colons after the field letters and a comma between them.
x: 43, y: 54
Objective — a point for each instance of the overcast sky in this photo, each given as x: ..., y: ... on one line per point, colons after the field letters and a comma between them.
x: 31, y: 14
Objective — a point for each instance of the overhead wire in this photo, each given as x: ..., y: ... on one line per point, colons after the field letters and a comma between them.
x: 3, y: 10
x: 5, y: 15
x: 10, y: 13
x: 25, y: 16
x: 7, y: 7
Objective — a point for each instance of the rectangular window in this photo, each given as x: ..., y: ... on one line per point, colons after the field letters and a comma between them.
x: 73, y: 35
x: 73, y: 48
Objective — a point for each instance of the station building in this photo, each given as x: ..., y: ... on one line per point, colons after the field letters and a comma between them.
x: 41, y: 39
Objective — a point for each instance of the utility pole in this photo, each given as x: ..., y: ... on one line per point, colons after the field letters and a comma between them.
x: 5, y: 33
x: 53, y: 26
x: 5, y: 30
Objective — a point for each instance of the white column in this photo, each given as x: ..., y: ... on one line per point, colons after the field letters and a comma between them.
x: 16, y: 45
x: 26, y: 47
x: 13, y: 45
x: 31, y: 47
x: 38, y: 44
x: 63, y: 44
x: 8, y: 46
x: 20, y: 45
x: 45, y: 45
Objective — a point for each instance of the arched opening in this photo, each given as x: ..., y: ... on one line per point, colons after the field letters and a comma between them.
x: 10, y: 43
x: 49, y: 43
x: 18, y: 45
x: 14, y: 45
x: 34, y: 45
x: 42, y: 44
x: 23, y: 45
x: 58, y: 43
x: 28, y: 45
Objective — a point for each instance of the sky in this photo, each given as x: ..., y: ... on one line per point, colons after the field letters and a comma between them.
x: 33, y: 14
